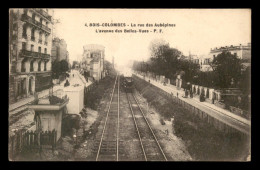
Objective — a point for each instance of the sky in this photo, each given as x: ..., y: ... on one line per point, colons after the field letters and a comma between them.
x: 195, y: 31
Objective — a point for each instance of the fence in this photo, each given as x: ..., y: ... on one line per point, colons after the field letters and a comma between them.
x: 29, y: 141
x: 194, y: 110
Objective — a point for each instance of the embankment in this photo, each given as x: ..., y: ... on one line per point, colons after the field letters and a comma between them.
x: 203, y: 140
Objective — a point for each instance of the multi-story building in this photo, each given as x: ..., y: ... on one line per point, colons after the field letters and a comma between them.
x: 243, y: 52
x: 59, y: 50
x: 93, y: 60
x: 30, y: 37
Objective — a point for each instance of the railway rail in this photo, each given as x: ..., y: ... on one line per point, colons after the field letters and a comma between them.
x: 150, y: 146
x: 108, y: 149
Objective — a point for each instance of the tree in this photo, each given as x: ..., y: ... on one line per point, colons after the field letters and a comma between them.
x: 56, y: 69
x: 64, y: 66
x: 164, y: 60
x: 245, y: 81
x: 227, y: 68
x: 189, y: 68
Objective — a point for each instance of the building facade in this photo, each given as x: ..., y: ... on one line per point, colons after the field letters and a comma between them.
x: 59, y: 50
x: 30, y: 37
x: 243, y: 52
x: 93, y: 60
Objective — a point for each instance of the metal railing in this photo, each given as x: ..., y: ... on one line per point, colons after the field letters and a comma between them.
x: 28, y: 19
x: 43, y: 13
x: 34, y: 54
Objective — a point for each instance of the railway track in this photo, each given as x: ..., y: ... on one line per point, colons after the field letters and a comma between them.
x: 108, y: 146
x: 112, y: 147
x: 150, y: 146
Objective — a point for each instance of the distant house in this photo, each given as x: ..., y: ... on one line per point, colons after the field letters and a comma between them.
x: 59, y: 50
x: 243, y: 52
x: 93, y: 60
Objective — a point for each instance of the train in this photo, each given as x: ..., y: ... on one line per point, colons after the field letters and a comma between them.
x: 127, y: 82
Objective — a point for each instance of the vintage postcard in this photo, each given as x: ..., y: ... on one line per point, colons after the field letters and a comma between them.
x: 129, y: 84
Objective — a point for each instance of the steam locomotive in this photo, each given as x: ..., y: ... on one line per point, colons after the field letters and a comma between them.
x: 127, y: 82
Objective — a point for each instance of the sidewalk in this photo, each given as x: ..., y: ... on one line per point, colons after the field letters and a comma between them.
x: 195, y: 102
x: 80, y: 80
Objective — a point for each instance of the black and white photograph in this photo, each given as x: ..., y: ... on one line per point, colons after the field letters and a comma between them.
x: 128, y: 84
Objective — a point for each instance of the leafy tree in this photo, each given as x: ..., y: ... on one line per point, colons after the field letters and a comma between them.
x: 227, y: 68
x: 188, y: 68
x: 64, y: 66
x: 56, y: 69
x: 164, y: 60
x: 245, y: 81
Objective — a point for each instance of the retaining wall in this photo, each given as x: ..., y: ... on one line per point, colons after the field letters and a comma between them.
x: 195, y: 111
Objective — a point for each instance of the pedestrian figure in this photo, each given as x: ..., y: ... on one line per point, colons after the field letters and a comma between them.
x: 177, y: 94
x: 73, y: 75
x: 191, y: 94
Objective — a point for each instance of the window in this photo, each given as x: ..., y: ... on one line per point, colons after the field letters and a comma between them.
x: 46, y: 39
x: 41, y: 21
x: 45, y: 68
x: 235, y: 54
x: 33, y: 17
x: 32, y: 48
x: 39, y: 49
x: 32, y: 35
x: 31, y: 66
x: 23, y: 46
x: 39, y: 66
x: 24, y: 31
x: 23, y: 66
x: 45, y: 50
x: 40, y: 37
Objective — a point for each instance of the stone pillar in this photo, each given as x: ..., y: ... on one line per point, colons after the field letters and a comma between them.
x: 201, y: 88
x: 205, y: 91
x: 42, y: 65
x: 219, y: 96
x: 27, y: 85
x: 35, y: 65
x: 33, y: 85
x: 49, y: 65
x: 211, y: 91
x: 27, y: 66
x: 19, y: 66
